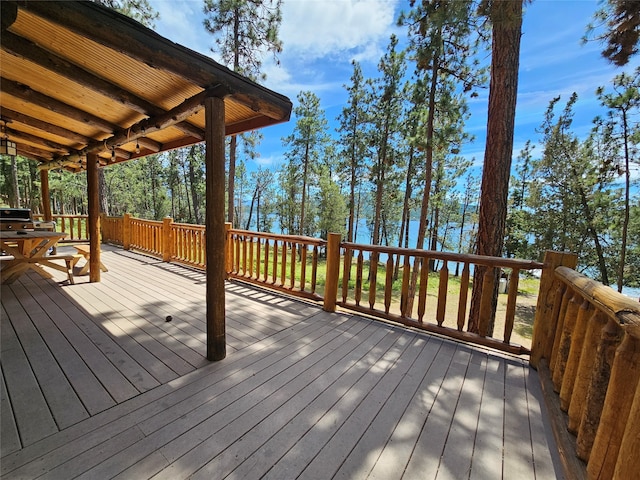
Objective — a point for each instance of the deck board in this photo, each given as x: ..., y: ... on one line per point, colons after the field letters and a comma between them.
x: 302, y: 393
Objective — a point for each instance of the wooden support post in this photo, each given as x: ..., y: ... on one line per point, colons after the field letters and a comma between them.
x: 609, y: 342
x: 333, y: 272
x: 215, y: 227
x: 623, y: 384
x: 46, y: 201
x: 628, y: 464
x: 126, y: 231
x: 166, y: 239
x: 94, y: 217
x: 544, y: 323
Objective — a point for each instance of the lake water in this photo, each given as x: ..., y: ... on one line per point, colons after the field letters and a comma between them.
x: 364, y: 237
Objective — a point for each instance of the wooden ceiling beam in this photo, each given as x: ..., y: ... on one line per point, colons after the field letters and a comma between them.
x: 127, y: 135
x: 23, y: 48
x: 116, y: 31
x: 17, y: 136
x: 149, y: 144
x: 189, y: 129
x: 18, y: 117
x: 24, y: 92
x: 35, y: 153
x: 26, y: 49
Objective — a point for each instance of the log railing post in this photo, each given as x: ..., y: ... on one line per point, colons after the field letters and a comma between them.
x: 628, y: 464
x: 585, y: 368
x: 333, y: 272
x: 126, y: 231
x: 559, y: 312
x: 609, y: 341
x: 575, y: 351
x: 564, y: 346
x: 623, y: 384
x: 167, y: 250
x: 544, y: 323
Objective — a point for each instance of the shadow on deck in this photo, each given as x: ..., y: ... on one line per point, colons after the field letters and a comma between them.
x: 96, y: 383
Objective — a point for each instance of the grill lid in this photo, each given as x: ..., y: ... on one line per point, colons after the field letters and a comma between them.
x: 15, y: 215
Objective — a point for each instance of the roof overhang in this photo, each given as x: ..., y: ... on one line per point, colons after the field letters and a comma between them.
x: 80, y: 78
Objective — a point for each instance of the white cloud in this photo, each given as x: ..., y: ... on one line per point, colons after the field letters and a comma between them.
x: 318, y: 28
x: 181, y: 22
x: 270, y: 162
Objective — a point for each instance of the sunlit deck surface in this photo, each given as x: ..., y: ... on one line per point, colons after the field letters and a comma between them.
x: 97, y: 384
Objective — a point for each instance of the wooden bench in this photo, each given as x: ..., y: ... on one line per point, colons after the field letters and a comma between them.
x: 84, y: 251
x: 69, y: 260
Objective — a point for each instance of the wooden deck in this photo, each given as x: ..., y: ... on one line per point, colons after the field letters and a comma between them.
x: 96, y: 383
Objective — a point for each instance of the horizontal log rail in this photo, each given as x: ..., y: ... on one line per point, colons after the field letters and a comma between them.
x: 282, y: 262
x: 378, y: 280
x: 75, y: 226
x: 590, y: 358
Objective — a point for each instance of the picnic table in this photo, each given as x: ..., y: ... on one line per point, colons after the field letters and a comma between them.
x: 28, y: 250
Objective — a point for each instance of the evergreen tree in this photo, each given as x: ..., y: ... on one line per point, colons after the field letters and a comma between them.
x: 387, y: 102
x: 623, y: 126
x: 506, y: 19
x: 570, y: 197
x: 306, y: 147
x: 243, y: 30
x: 621, y: 21
x: 353, y: 141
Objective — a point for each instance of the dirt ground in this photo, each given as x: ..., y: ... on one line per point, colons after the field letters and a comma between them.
x: 523, y: 322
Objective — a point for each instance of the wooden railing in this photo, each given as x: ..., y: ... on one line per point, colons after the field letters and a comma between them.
x: 282, y: 262
x: 378, y: 280
x: 75, y: 226
x: 587, y: 350
x: 187, y: 245
x: 112, y: 229
x: 357, y: 277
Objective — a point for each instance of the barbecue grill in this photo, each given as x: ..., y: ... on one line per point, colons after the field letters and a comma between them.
x: 16, y: 219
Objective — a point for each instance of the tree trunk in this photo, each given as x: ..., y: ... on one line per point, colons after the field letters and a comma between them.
x: 102, y: 192
x: 232, y: 179
x: 506, y: 16
x: 303, y: 201
x: 424, y: 208
x: 194, y: 192
x: 15, y: 191
x: 627, y: 187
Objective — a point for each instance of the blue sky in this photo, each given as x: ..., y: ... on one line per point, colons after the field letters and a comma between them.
x: 322, y: 37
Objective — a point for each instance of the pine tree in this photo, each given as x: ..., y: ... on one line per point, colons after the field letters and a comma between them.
x: 506, y: 19
x: 624, y: 128
x: 306, y: 147
x: 353, y: 141
x: 243, y: 30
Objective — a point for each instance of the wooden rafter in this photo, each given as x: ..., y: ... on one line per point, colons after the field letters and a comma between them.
x: 56, y: 130
x: 125, y: 35
x: 140, y: 129
x: 26, y: 93
x: 24, y: 48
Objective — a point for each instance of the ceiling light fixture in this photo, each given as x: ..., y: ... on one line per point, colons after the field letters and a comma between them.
x: 7, y: 147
